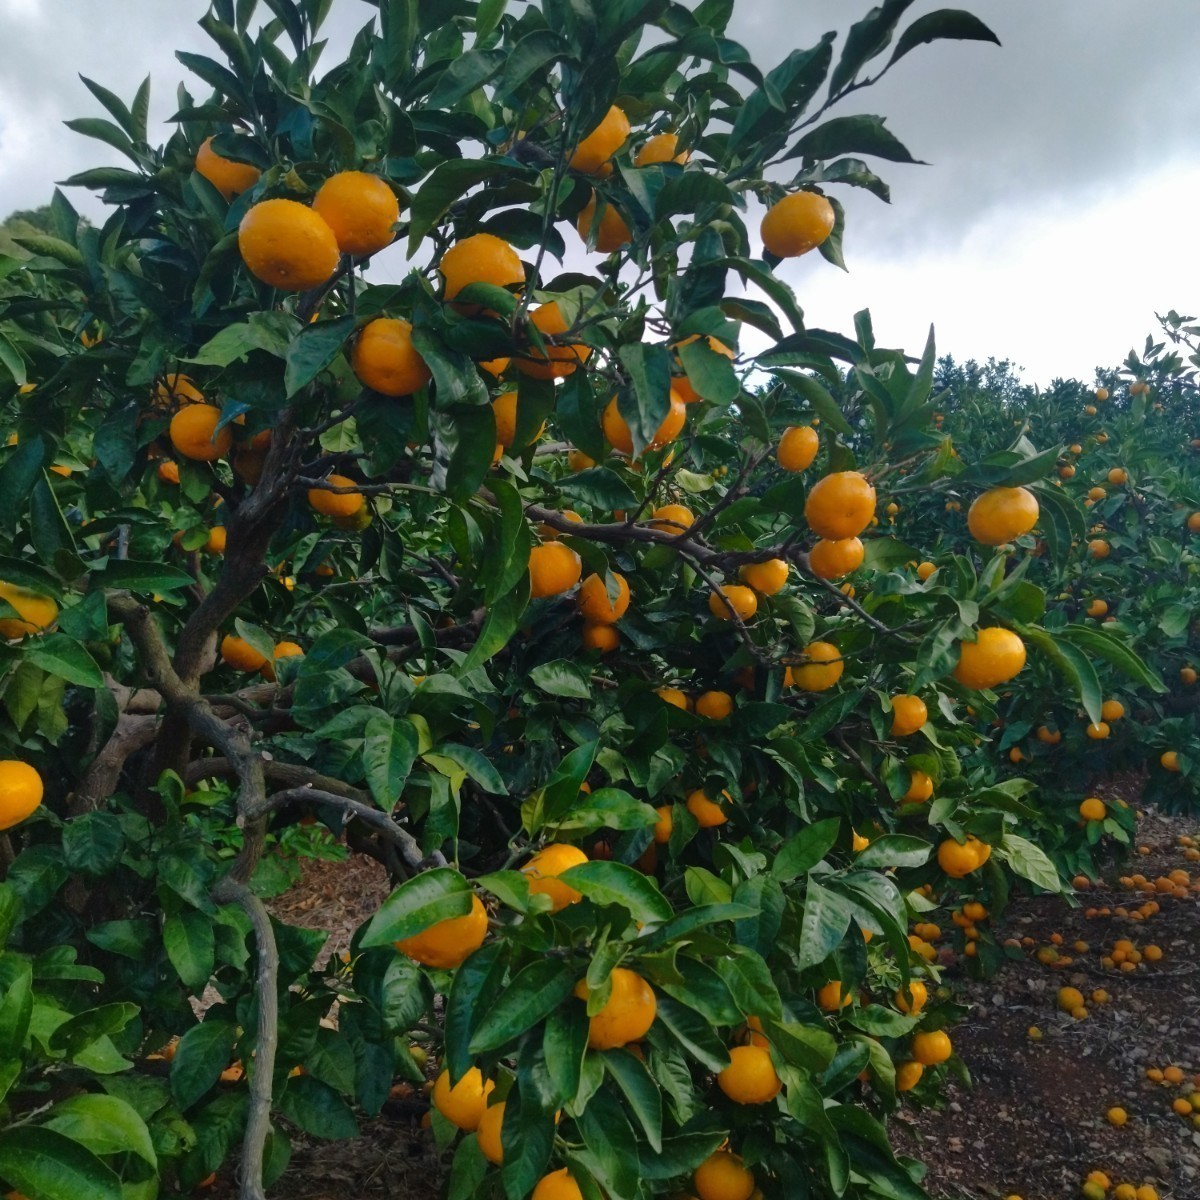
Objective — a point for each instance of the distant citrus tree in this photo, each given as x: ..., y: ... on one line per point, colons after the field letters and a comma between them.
x: 512, y: 575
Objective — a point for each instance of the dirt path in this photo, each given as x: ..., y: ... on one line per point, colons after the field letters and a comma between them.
x: 1033, y: 1122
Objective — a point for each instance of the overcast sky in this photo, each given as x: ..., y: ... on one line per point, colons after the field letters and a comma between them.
x: 1058, y: 214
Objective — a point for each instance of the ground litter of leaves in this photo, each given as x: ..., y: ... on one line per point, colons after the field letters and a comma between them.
x: 1033, y: 1122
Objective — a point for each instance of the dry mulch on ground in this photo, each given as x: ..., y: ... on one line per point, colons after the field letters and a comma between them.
x: 1032, y: 1123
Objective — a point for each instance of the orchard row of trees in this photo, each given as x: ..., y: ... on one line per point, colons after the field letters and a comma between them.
x: 670, y: 704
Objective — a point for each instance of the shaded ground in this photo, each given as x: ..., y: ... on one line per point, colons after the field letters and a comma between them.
x: 1033, y: 1123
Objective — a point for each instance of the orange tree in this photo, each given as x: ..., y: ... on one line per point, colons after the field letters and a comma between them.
x: 504, y: 575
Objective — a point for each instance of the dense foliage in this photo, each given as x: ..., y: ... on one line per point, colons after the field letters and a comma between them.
x: 515, y: 565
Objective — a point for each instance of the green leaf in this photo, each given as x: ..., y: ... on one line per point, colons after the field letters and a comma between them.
x: 190, y: 944
x: 1072, y: 664
x: 389, y: 751
x: 694, y: 1033
x: 50, y: 533
x: 147, y: 577
x: 801, y: 852
x: 317, y: 1109
x: 534, y: 993
x: 852, y: 135
x: 502, y: 621
x: 641, y: 1092
x: 1112, y: 649
x: 62, y: 656
x: 945, y: 23
x: 564, y: 1044
x: 599, y: 487
x: 470, y: 70
x: 894, y: 850
x: 710, y: 372
x: 44, y: 1164
x: 562, y: 678
x: 93, y: 842
x: 16, y: 1003
x: 90, y: 1026
x: 645, y: 400
x: 615, y: 883
x: 203, y: 1053
x: 104, y: 1124
x: 271, y: 332
x: 478, y: 768
x: 22, y: 469
x: 474, y: 985
x: 312, y: 350
x: 449, y: 181
x: 826, y: 918
x: 1029, y: 861
x: 867, y: 38
x: 416, y: 904
x: 823, y: 404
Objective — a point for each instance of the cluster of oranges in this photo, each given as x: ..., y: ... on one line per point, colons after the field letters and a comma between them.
x: 1096, y: 1186
x: 242, y: 656
x: 1183, y: 1105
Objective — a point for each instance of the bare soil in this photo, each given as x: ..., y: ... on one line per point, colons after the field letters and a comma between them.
x: 1032, y: 1124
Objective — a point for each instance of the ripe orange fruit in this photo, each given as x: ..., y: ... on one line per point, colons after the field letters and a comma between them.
x: 707, y: 812
x: 797, y: 448
x: 1093, y: 809
x: 1099, y: 548
x: 924, y: 570
x: 216, y: 540
x: 287, y: 245
x: 487, y: 1133
x: 750, y: 1077
x: 1112, y: 710
x: 602, y: 143
x: 674, y: 697
x: 447, y: 944
x: 1069, y: 999
x: 282, y: 650
x: 959, y: 859
x: 1170, y: 760
x: 822, y: 670
x: 920, y: 788
x: 1117, y: 1116
x: 723, y: 1176
x: 919, y: 994
x: 908, y: 714
x: 544, y: 868
x: 465, y: 1103
x: 227, y: 176
x: 336, y: 504
x: 908, y: 1075
x: 194, y: 434
x: 481, y: 258
x: 1193, y: 522
x: 558, y: 1185
x: 993, y: 658
x: 1097, y: 608
x: 557, y: 360
x: 665, y: 824
x: 661, y: 148
x: 1002, y: 514
x: 1187, y: 675
x: 20, y: 792
x: 553, y: 569
x: 627, y: 1014
x: 831, y: 997
x: 797, y: 224
x: 599, y: 637
x: 168, y: 472
x: 716, y: 706
x: 833, y: 559
x: 1098, y: 730
x: 385, y: 360
x: 1118, y: 476
x: 240, y: 655
x: 766, y: 578
x: 732, y: 598
x: 595, y: 603
x: 35, y: 612
x: 1173, y: 1074
x: 360, y: 209
x: 1049, y: 737
x: 176, y: 389
x: 931, y: 1047
x: 672, y: 518
x: 611, y: 232
x: 840, y: 505
x: 620, y: 436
